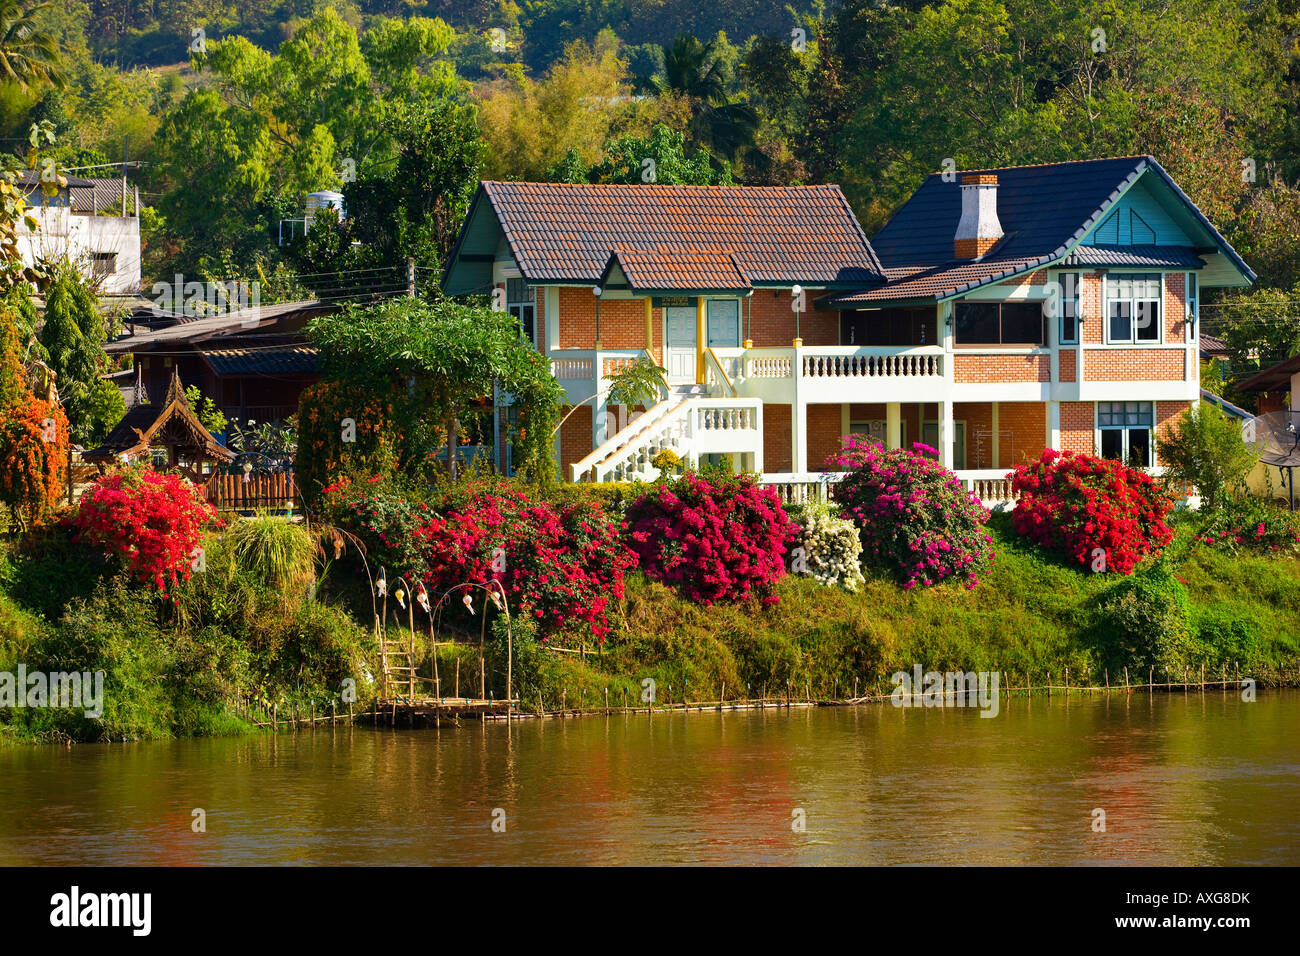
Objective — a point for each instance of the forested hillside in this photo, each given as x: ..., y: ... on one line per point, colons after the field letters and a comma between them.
x: 236, y: 110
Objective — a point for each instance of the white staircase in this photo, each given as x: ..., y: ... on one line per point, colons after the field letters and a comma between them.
x: 687, y: 423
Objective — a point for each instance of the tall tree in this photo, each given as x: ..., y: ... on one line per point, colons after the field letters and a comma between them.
x: 28, y: 55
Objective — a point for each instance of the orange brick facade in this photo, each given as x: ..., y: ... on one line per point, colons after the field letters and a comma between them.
x: 777, y: 451
x: 1078, y: 421
x: 1134, y: 365
x: 1001, y: 368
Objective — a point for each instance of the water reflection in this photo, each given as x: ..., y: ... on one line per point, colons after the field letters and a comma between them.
x: 1196, y: 779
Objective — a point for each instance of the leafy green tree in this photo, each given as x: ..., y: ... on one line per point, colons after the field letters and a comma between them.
x: 1205, y: 449
x: 73, y: 336
x: 210, y: 416
x: 658, y: 158
x: 699, y: 73
x: 28, y: 54
x: 436, y: 362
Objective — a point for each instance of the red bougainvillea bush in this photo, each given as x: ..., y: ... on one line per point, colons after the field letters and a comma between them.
x: 151, y: 522
x: 916, y: 520
x: 1074, y: 504
x: 713, y: 538
x: 558, y: 563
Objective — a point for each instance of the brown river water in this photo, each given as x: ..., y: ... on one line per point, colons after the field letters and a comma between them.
x: 1195, y: 779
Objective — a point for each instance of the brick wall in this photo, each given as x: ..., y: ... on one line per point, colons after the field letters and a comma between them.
x: 978, y: 417
x: 824, y: 431
x: 1167, y: 416
x: 1077, y: 423
x: 776, y: 438
x: 1133, y: 365
x: 773, y: 320
x: 1027, y: 423
x: 1094, y: 316
x: 1066, y: 366
x: 622, y: 321
x: 1001, y: 368
x: 575, y: 438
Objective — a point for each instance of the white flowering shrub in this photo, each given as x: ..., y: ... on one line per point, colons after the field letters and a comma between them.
x: 829, y: 550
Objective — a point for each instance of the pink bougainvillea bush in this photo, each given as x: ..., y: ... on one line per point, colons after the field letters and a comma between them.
x: 916, y: 520
x: 717, y: 538
x: 151, y: 522
x: 558, y: 563
x: 1075, y: 504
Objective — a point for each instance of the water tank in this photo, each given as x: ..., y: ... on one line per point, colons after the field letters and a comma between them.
x: 324, y: 199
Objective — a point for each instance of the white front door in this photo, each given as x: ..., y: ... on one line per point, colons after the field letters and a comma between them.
x: 679, y: 343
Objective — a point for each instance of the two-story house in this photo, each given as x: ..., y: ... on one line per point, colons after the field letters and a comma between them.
x: 999, y: 312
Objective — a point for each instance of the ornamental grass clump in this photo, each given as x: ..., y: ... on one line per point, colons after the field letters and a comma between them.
x: 831, y: 550
x: 151, y: 522
x: 1096, y: 512
x: 916, y: 521
x: 720, y: 538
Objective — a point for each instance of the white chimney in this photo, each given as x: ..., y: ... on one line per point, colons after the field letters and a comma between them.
x: 979, y: 229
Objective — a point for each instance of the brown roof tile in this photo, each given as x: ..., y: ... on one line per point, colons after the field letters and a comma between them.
x: 782, y: 234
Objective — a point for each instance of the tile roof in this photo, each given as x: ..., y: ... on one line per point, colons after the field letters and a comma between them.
x: 933, y: 284
x: 668, y: 270
x: 1044, y: 210
x: 1214, y: 346
x: 1041, y: 208
x: 264, y: 360
x: 562, y: 232
x: 1152, y: 257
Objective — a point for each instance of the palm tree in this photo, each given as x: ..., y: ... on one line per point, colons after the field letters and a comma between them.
x: 692, y: 70
x: 28, y: 55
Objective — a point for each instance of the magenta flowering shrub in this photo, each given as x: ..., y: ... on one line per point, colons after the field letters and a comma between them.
x: 720, y: 538
x: 916, y: 520
x: 558, y: 563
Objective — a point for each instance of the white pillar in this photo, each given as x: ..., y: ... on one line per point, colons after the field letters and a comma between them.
x: 997, y: 437
x: 799, y: 437
x: 551, y: 317
x: 1054, y: 425
x: 893, y: 425
x: 946, y: 434
x: 599, y: 431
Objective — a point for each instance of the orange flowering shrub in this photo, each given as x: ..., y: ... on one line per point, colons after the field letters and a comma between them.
x: 343, y: 431
x: 33, y: 458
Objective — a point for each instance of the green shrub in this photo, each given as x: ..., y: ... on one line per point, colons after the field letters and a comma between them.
x: 1205, y: 449
x: 1145, y: 621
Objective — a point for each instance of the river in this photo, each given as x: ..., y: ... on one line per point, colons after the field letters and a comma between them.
x: 1196, y: 779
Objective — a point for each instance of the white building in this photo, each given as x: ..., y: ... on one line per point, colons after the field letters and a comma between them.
x: 85, y: 223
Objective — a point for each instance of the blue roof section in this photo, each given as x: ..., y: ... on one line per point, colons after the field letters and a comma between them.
x: 1043, y: 210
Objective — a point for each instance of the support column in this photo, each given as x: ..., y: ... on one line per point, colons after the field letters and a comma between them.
x: 551, y: 318
x: 598, y: 430
x: 799, y: 437
x: 701, y: 339
x: 1054, y: 425
x: 893, y: 425
x: 946, y: 434
x: 997, y: 436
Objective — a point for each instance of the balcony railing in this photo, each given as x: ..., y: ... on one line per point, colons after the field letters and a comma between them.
x: 831, y: 373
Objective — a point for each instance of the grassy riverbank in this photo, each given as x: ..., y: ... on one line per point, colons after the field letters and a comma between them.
x: 191, y: 667
x: 1030, y: 614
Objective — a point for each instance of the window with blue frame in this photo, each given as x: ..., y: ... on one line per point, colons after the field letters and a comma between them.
x: 1126, y: 429
x: 1133, y: 308
x: 1069, y: 329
